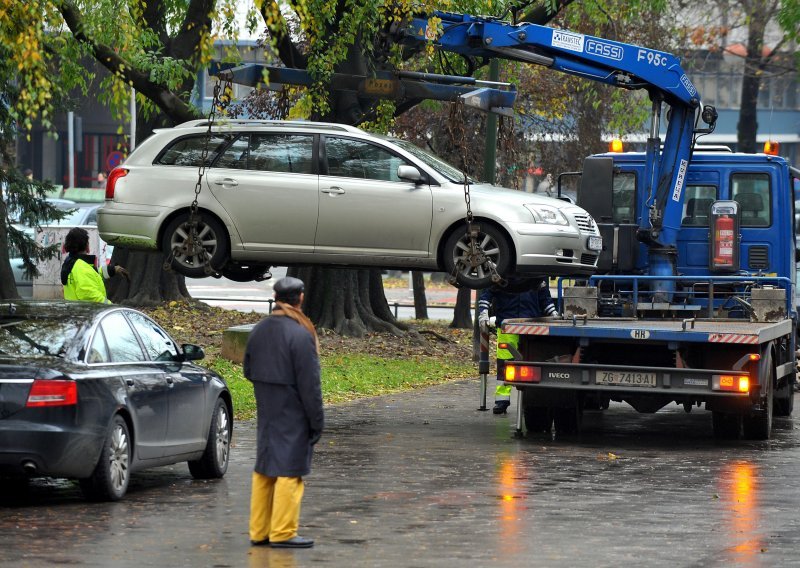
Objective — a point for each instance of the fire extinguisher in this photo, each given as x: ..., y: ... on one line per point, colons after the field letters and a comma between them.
x: 724, y: 242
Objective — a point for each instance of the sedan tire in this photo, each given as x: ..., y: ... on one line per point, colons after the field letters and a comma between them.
x: 201, y: 259
x: 214, y: 462
x: 493, y: 248
x: 109, y: 480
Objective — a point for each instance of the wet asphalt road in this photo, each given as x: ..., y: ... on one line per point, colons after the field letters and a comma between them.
x: 422, y: 479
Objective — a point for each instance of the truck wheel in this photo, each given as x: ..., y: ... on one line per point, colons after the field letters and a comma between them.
x: 567, y: 420
x: 784, y: 400
x: 538, y: 419
x: 726, y: 426
x: 758, y: 426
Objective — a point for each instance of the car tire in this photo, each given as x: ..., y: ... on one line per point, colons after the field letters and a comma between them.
x: 214, y: 239
x: 239, y: 273
x: 109, y: 480
x: 214, y: 462
x: 495, y: 245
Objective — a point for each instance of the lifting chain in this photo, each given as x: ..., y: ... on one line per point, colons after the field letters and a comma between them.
x: 193, y: 243
x: 508, y: 142
x: 475, y: 256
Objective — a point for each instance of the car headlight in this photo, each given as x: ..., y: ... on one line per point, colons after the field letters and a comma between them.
x: 546, y: 214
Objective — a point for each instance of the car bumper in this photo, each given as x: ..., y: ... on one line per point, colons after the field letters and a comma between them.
x: 53, y: 451
x: 131, y: 226
x: 556, y: 251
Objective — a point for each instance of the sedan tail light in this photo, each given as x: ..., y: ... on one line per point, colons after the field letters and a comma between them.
x: 46, y: 392
x: 111, y: 182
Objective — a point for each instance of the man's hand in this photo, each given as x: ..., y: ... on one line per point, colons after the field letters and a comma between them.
x: 122, y: 271
x: 483, y: 319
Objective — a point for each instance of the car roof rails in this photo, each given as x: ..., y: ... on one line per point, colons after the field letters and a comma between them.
x: 203, y: 122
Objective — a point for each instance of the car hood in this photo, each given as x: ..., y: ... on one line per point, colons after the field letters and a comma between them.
x: 521, y: 197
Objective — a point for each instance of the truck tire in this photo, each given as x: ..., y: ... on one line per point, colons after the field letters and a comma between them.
x: 758, y: 425
x: 567, y: 420
x: 726, y: 426
x: 784, y: 399
x: 538, y: 419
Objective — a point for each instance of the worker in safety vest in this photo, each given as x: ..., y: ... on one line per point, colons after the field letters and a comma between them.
x: 80, y: 275
x: 520, y: 298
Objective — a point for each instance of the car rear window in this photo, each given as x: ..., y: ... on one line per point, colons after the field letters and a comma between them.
x: 188, y: 151
x: 37, y: 337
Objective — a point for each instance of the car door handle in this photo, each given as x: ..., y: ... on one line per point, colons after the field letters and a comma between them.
x: 226, y: 181
x: 129, y: 382
x: 333, y: 190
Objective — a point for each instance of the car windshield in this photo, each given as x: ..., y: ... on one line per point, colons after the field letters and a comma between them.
x: 37, y: 337
x: 450, y: 172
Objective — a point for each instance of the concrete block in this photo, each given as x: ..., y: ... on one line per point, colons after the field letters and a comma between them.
x: 769, y: 304
x: 580, y: 301
x: 234, y: 341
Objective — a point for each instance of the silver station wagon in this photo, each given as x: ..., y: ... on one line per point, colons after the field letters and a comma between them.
x: 293, y: 193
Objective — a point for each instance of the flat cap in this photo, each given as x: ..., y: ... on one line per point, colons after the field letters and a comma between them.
x: 288, y: 285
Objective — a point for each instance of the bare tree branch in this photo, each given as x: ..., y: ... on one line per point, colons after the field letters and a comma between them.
x: 196, y: 23
x: 288, y: 52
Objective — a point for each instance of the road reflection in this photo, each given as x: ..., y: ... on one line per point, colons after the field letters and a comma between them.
x: 510, y: 481
x: 739, y: 490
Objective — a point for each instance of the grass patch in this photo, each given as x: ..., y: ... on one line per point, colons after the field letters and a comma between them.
x: 352, y: 376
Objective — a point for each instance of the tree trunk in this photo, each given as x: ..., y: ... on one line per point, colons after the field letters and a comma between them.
x: 348, y: 301
x: 747, y: 127
x: 150, y: 284
x: 462, y: 318
x: 420, y: 301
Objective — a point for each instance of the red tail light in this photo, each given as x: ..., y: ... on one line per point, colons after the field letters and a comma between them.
x: 111, y: 182
x: 52, y: 393
x: 522, y: 373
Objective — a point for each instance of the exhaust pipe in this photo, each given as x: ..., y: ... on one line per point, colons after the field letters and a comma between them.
x: 29, y: 467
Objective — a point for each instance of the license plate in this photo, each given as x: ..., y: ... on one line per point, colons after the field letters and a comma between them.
x: 625, y: 378
x: 595, y: 243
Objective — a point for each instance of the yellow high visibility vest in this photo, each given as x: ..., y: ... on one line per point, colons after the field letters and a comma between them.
x: 511, y: 339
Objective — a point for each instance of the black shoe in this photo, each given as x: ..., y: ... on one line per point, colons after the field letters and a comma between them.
x: 294, y: 542
x: 264, y: 542
x: 501, y: 406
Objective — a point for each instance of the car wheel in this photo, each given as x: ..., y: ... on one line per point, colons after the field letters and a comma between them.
x: 200, y: 256
x: 109, y: 480
x: 473, y: 269
x: 214, y: 462
x: 239, y: 273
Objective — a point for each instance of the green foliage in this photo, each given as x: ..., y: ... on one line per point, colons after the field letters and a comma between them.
x: 352, y: 376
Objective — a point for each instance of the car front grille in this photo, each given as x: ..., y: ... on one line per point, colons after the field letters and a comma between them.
x: 588, y: 258
x: 585, y: 223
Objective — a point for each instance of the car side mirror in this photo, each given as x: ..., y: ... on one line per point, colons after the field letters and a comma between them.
x: 192, y: 352
x: 409, y: 173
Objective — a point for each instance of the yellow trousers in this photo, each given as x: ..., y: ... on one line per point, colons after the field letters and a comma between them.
x: 275, y: 507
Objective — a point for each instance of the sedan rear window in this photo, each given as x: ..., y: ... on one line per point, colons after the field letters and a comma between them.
x: 37, y: 337
x: 188, y: 151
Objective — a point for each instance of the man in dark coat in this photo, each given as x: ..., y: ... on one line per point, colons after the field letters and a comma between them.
x: 282, y: 361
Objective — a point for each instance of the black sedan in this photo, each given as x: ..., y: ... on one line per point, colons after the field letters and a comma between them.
x: 95, y: 392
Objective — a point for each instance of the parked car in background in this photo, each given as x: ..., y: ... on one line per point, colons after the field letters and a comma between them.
x: 284, y: 193
x: 95, y: 392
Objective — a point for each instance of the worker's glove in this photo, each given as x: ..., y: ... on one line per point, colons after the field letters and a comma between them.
x: 485, y: 321
x: 122, y: 271
x: 314, y: 437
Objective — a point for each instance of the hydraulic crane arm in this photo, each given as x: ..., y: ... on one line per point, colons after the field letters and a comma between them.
x: 610, y: 62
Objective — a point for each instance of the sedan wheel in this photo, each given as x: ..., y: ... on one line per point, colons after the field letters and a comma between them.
x: 214, y: 461
x: 473, y: 266
x: 109, y: 481
x: 197, y: 251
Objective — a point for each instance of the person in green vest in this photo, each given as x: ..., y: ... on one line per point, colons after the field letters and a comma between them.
x: 519, y: 298
x: 80, y: 275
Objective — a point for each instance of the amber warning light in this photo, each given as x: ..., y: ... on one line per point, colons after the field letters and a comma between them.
x: 771, y: 147
x: 732, y: 383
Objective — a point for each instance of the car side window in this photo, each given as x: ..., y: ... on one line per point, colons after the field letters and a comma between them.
x: 157, y: 343
x: 188, y: 151
x: 357, y: 159
x: 235, y: 157
x: 123, y: 347
x: 286, y: 153
x: 98, y: 350
x: 752, y: 193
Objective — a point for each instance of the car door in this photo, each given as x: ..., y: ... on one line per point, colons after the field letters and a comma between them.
x: 365, y: 209
x: 186, y: 415
x: 268, y: 184
x: 146, y: 385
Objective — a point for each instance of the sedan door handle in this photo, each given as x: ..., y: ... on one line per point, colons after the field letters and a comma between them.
x: 226, y: 181
x: 333, y: 190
